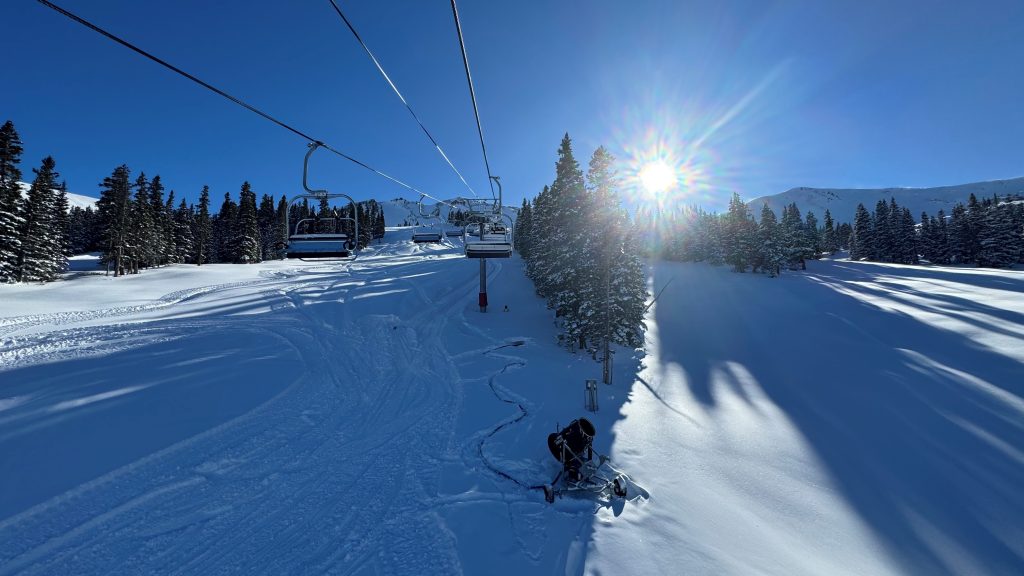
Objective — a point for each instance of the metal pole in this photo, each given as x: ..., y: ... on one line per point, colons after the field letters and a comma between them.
x: 483, y: 283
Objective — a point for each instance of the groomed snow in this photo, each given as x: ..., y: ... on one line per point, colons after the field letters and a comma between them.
x: 365, y: 418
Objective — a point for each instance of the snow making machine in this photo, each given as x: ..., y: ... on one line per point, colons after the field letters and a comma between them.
x: 573, y: 447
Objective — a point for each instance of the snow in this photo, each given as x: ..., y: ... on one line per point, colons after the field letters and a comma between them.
x: 842, y: 203
x: 363, y: 417
x: 79, y: 200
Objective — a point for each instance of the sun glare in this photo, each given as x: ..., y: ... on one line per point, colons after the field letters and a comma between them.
x: 657, y: 176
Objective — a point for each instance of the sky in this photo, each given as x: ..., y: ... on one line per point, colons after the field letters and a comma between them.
x: 753, y: 97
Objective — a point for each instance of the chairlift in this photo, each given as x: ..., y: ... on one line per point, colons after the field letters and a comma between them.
x: 321, y: 237
x: 493, y: 237
x: 433, y: 234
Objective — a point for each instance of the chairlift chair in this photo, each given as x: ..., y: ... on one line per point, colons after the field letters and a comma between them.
x: 319, y: 237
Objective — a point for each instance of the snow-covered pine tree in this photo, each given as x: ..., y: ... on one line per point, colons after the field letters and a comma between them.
x: 959, y: 235
x: 170, y: 229
x: 523, y: 231
x: 266, y: 215
x: 41, y: 251
x: 861, y: 241
x: 223, y: 225
x: 942, y: 248
x: 280, y: 229
x: 139, y: 245
x: 813, y: 238
x: 974, y: 220
x: 738, y: 239
x: 881, y: 250
x: 62, y: 227
x: 829, y: 242
x: 614, y: 294
x: 157, y: 247
x: 246, y: 231
x: 997, y: 238
x: 538, y: 263
x: 794, y: 237
x: 184, y: 240
x: 571, y: 243
x: 113, y: 213
x: 203, y: 229
x: 908, y: 244
x: 11, y: 220
x: 771, y: 253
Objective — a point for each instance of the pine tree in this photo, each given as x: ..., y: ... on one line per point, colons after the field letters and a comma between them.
x: 223, y: 231
x: 881, y: 250
x: 203, y: 228
x: 794, y: 237
x: 959, y: 236
x: 523, y: 230
x: 113, y: 208
x: 813, y: 236
x: 170, y: 229
x: 265, y: 216
x: 62, y: 228
x: 943, y: 251
x: 158, y: 222
x: 11, y: 219
x: 771, y: 253
x: 184, y: 240
x: 861, y: 241
x: 998, y: 238
x: 41, y: 250
x: 738, y: 228
x: 281, y: 229
x: 829, y: 242
x: 247, y: 232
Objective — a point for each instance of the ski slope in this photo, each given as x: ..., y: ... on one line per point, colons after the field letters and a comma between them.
x: 364, y: 418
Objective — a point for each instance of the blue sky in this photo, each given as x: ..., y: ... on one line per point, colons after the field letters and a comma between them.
x: 748, y: 96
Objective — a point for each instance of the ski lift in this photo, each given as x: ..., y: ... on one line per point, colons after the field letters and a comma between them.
x: 573, y: 447
x: 320, y: 237
x: 494, y: 239
x: 433, y: 233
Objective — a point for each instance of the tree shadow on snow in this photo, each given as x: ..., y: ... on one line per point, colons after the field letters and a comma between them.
x: 919, y: 427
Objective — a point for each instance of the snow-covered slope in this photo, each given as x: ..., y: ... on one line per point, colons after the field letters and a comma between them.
x: 401, y: 210
x: 73, y: 199
x: 842, y: 203
x: 364, y: 418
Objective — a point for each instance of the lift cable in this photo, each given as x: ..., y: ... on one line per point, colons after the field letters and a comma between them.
x: 238, y: 101
x: 399, y: 94
x: 472, y: 95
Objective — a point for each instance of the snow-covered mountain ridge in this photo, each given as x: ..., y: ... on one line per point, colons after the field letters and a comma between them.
x: 842, y: 202
x: 79, y: 200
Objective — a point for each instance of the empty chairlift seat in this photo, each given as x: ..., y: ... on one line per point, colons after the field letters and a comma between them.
x: 426, y: 237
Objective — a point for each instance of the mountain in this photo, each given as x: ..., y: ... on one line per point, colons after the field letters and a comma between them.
x: 79, y: 200
x: 842, y: 202
x: 401, y: 210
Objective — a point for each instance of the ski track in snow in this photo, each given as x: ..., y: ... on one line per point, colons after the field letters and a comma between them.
x: 327, y: 470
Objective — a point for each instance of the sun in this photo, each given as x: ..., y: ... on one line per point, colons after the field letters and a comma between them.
x: 658, y: 176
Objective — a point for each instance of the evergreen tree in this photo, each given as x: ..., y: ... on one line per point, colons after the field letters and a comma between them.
x: 140, y: 236
x: 794, y: 237
x: 62, y: 228
x: 158, y: 222
x: 861, y: 241
x: 247, y: 232
x: 266, y: 216
x: 959, y: 236
x: 771, y: 253
x: 223, y: 231
x: 170, y: 230
x: 882, y: 248
x: 943, y: 252
x: 523, y: 230
x: 203, y: 228
x: 813, y: 236
x: 11, y: 219
x: 829, y: 242
x: 738, y: 241
x: 41, y: 253
x: 998, y: 238
x: 281, y: 229
x: 113, y: 208
x: 184, y: 240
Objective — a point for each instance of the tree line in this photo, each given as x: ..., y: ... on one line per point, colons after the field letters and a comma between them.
x: 767, y: 244
x: 986, y: 233
x: 579, y: 252
x: 134, y: 227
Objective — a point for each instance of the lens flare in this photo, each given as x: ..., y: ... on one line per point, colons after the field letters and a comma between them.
x: 658, y: 177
